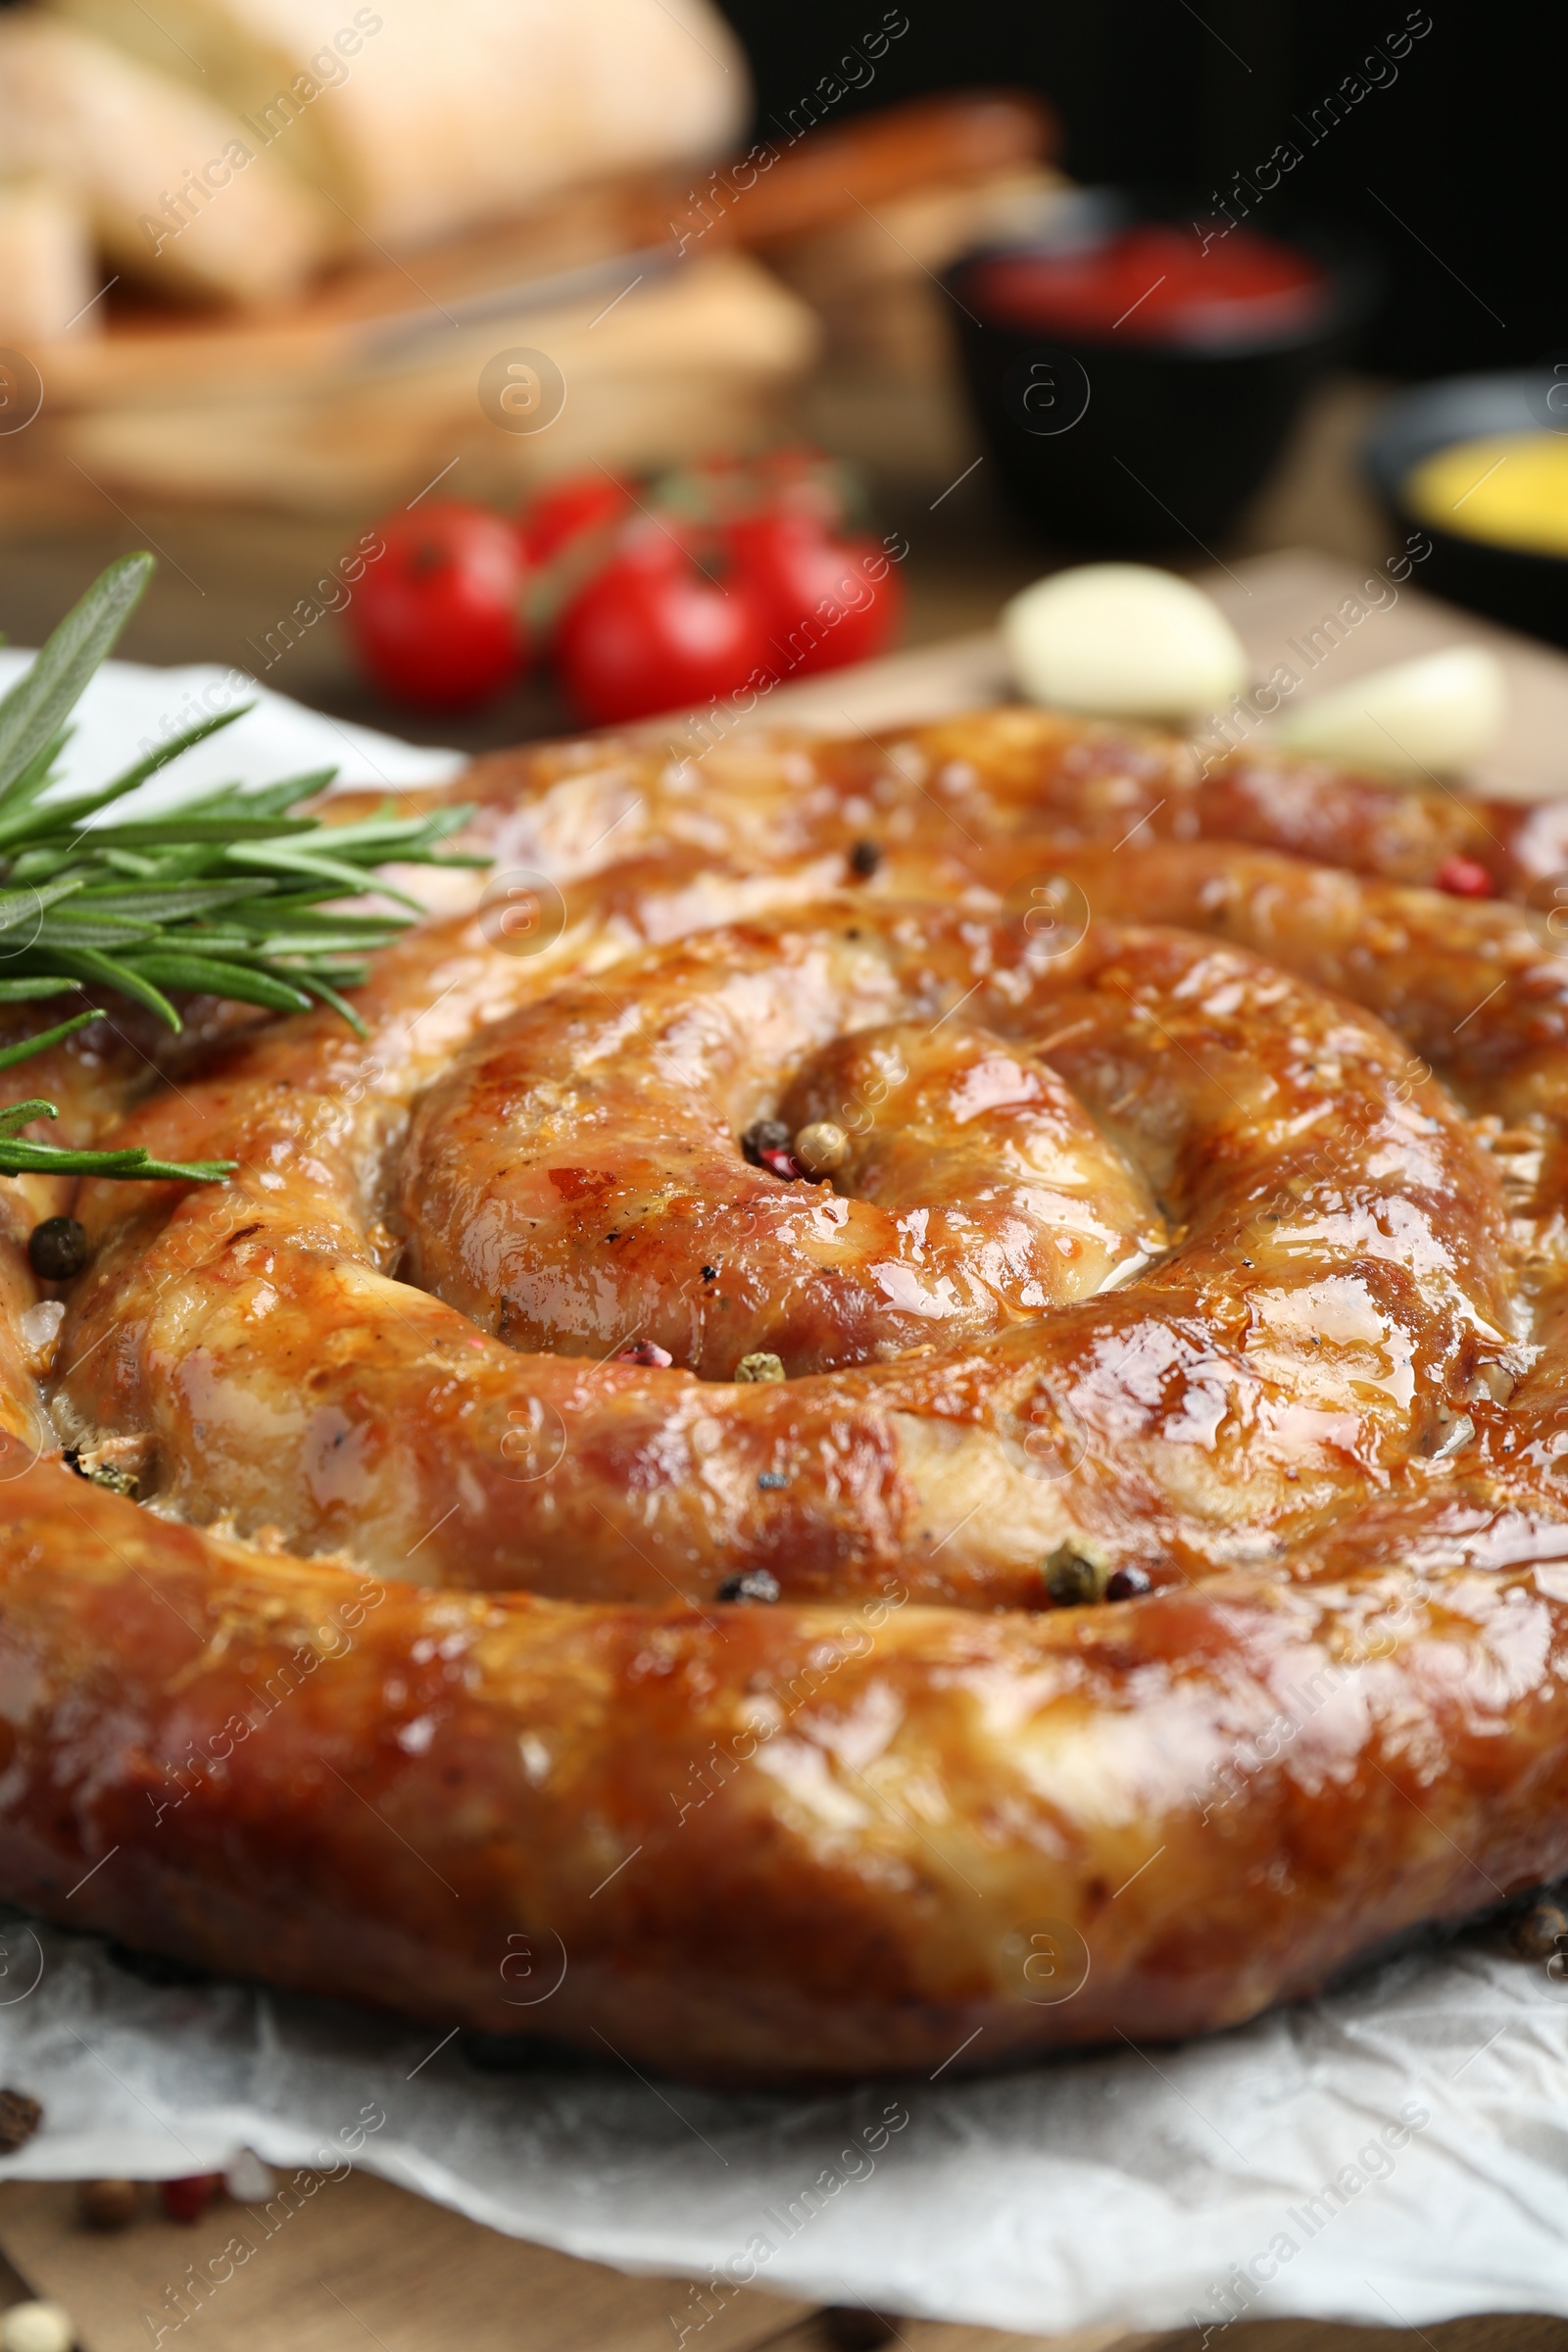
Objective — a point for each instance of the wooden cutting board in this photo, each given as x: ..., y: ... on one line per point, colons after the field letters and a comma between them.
x: 1294, y: 607
x: 583, y: 245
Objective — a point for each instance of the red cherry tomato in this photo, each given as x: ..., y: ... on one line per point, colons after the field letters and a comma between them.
x: 556, y: 520
x: 828, y: 601
x: 654, y: 633
x: 437, y: 617
x: 188, y: 2199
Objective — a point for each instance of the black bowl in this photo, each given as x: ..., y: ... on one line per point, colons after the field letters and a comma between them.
x: 1110, y: 445
x: 1519, y: 586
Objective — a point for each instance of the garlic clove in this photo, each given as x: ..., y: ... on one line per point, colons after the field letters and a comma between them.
x: 1439, y: 712
x: 1122, y: 641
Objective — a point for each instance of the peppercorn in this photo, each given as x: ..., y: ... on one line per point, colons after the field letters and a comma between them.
x: 1071, y: 1579
x: 19, y: 2118
x: 754, y: 1584
x: 761, y: 1365
x: 1128, y: 1583
x: 864, y: 859
x: 188, y: 2200
x: 247, y: 2179
x: 765, y: 1135
x: 766, y: 1144
x: 109, y: 2204
x: 1464, y: 878
x: 1535, y: 1932
x: 821, y: 1147
x: 98, y: 1473
x: 57, y: 1248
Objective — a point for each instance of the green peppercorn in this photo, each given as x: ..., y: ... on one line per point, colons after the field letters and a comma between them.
x: 1071, y: 1579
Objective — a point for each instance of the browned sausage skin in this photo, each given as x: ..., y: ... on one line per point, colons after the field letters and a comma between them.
x: 767, y: 1843
x: 1330, y: 1297
x: 1197, y: 1243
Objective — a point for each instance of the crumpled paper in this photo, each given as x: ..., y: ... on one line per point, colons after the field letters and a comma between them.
x: 1395, y: 2152
x: 129, y: 707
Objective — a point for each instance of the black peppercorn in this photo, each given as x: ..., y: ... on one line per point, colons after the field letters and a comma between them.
x: 109, y: 2204
x: 766, y: 1135
x: 1128, y: 1583
x: 20, y: 2116
x: 864, y: 859
x: 57, y: 1248
x: 1535, y: 1932
x: 755, y: 1583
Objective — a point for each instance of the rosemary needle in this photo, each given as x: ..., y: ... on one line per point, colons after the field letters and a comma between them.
x: 224, y: 895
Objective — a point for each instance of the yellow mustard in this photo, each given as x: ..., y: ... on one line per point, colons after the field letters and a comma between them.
x: 1508, y: 488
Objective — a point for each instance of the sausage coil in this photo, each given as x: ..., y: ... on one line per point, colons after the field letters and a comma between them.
x: 905, y: 1398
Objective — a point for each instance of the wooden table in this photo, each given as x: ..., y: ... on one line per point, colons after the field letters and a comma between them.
x: 365, y: 2264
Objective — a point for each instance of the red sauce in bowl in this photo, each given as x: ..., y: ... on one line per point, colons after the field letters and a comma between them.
x: 1156, y: 284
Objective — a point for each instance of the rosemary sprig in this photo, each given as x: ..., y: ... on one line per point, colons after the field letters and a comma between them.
x: 21, y: 1154
x: 221, y: 896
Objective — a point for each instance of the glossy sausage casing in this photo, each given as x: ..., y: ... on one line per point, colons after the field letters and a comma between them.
x: 753, y: 1844
x: 1198, y: 1247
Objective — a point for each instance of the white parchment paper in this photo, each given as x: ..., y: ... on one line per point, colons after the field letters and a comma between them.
x: 1397, y: 2152
x: 129, y: 707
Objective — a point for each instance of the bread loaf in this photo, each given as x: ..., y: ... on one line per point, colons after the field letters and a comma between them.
x: 47, y: 278
x: 426, y: 117
x: 176, y: 195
